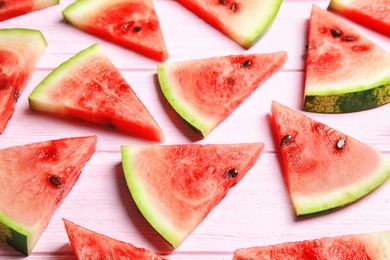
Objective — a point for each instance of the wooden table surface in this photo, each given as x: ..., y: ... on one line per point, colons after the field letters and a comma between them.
x: 258, y: 210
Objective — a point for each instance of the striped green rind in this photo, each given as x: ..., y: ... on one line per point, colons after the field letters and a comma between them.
x: 348, y: 102
x: 15, y: 235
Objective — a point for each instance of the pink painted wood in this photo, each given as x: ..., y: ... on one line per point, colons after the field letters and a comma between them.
x: 258, y: 210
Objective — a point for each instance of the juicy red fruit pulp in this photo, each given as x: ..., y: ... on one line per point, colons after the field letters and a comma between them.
x: 137, y: 26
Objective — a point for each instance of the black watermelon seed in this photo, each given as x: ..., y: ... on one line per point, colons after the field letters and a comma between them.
x: 335, y: 33
x: 246, y: 63
x: 286, y: 140
x: 137, y: 29
x: 222, y: 2
x: 231, y: 173
x: 55, y: 180
x: 340, y: 143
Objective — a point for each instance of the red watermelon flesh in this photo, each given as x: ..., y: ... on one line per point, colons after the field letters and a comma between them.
x: 205, y: 92
x: 20, y: 51
x: 337, y: 81
x: 374, y: 14
x: 366, y: 246
x: 324, y: 168
x: 13, y: 8
x: 176, y: 186
x: 131, y: 23
x: 88, y: 244
x: 89, y: 87
x: 243, y: 21
x: 35, y: 178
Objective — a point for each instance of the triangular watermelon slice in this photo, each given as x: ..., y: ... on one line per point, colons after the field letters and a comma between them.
x: 364, y: 246
x: 205, y: 92
x: 35, y: 178
x: 324, y: 168
x: 374, y: 14
x: 131, y: 23
x: 89, y: 87
x: 88, y: 244
x: 242, y: 21
x: 13, y: 8
x: 176, y: 186
x: 20, y: 51
x: 345, y: 72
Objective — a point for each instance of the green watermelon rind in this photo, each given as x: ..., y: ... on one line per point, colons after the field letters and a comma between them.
x: 263, y: 26
x: 16, y: 236
x: 74, y: 11
x: 248, y: 28
x: 41, y: 4
x: 316, y: 204
x: 143, y: 201
x: 348, y: 102
x: 36, y: 98
x: 196, y: 121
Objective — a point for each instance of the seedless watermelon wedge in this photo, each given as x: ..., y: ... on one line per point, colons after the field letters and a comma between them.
x: 176, y: 186
x: 374, y: 14
x: 89, y: 87
x: 20, y: 51
x: 35, y: 178
x: 88, y: 244
x: 131, y: 23
x: 13, y: 8
x: 337, y: 81
x: 243, y: 21
x: 205, y: 92
x: 324, y: 168
x: 355, y: 246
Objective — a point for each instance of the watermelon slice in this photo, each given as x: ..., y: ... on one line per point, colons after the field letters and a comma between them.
x: 176, y: 186
x: 374, y: 14
x: 89, y: 87
x: 35, y: 178
x: 205, y: 92
x: 323, y: 167
x: 243, y: 21
x: 88, y: 244
x: 366, y: 246
x: 130, y: 23
x: 20, y: 51
x: 337, y: 81
x: 13, y: 8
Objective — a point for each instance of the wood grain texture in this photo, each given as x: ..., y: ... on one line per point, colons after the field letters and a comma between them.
x: 258, y: 210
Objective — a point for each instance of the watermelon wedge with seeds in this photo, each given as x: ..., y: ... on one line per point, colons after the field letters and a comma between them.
x: 35, y: 179
x: 242, y: 21
x: 324, y: 168
x: 14, y: 8
x: 205, y: 92
x: 88, y: 244
x: 89, y: 87
x: 366, y: 246
x: 20, y: 51
x: 374, y: 14
x: 337, y: 81
x: 130, y: 23
x: 176, y: 186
